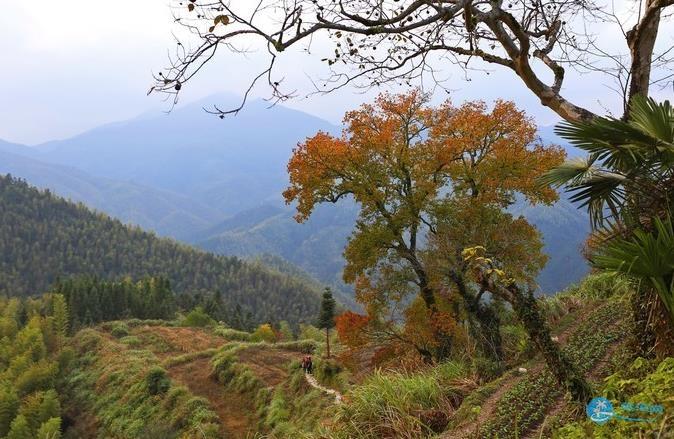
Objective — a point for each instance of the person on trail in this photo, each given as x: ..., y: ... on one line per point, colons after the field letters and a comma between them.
x: 306, y: 364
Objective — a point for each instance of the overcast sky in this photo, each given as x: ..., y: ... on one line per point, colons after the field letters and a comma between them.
x: 70, y: 66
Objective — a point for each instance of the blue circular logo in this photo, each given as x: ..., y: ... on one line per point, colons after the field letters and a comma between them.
x: 600, y: 410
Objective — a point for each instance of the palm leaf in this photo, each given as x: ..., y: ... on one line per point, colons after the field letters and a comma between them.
x: 646, y: 255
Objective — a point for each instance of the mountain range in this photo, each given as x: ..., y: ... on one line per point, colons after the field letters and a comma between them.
x: 217, y: 184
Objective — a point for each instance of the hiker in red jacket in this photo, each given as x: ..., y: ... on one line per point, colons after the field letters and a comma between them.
x: 306, y: 364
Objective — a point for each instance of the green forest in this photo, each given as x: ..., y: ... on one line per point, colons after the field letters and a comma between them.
x: 45, y: 238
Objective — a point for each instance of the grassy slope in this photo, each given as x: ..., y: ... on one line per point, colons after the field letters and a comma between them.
x: 107, y: 393
x: 531, y: 404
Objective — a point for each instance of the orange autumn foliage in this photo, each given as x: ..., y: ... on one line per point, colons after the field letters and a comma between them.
x: 350, y: 328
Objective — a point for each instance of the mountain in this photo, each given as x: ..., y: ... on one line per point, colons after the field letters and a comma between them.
x: 231, y: 165
x: 315, y: 245
x: 564, y: 228
x: 165, y: 212
x: 44, y: 237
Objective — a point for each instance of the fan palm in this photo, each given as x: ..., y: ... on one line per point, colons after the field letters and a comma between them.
x: 628, y: 176
x: 627, y: 185
x: 648, y: 256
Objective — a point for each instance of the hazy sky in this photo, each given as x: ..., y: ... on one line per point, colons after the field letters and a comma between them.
x: 70, y: 66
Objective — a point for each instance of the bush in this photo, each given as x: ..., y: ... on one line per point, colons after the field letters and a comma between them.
x: 230, y: 334
x: 131, y: 340
x: 644, y: 381
x: 388, y: 405
x: 309, y: 332
x: 602, y: 286
x: 119, y: 330
x: 264, y: 333
x: 516, y: 343
x: 486, y: 369
x: 157, y: 381
x: 197, y: 318
x: 304, y: 346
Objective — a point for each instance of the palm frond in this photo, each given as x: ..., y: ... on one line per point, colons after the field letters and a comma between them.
x: 645, y: 255
x: 653, y: 119
x: 572, y: 172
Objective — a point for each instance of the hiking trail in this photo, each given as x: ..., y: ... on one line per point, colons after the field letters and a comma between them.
x: 313, y: 383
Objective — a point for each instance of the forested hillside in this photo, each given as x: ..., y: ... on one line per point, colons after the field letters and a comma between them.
x: 162, y: 211
x: 44, y: 238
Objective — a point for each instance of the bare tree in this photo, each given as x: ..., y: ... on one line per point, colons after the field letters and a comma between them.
x: 383, y: 41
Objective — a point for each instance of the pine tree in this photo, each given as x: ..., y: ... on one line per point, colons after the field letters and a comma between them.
x: 50, y: 406
x: 9, y: 405
x: 326, y: 319
x: 50, y: 429
x: 60, y: 310
x: 20, y: 429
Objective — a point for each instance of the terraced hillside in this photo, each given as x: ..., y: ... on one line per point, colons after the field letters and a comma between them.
x: 150, y: 379
x: 529, y: 403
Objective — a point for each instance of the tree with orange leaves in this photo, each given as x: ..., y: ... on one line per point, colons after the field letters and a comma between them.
x: 403, y: 161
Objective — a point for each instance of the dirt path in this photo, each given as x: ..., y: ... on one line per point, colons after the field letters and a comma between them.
x: 233, y: 409
x: 468, y: 428
x: 268, y: 364
x: 314, y: 383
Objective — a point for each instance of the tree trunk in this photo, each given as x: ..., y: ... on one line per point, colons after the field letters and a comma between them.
x: 641, y: 41
x: 489, y: 322
x: 527, y: 310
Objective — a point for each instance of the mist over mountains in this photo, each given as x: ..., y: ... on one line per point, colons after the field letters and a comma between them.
x: 217, y: 184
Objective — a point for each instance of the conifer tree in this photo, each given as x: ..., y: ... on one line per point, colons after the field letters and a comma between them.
x: 61, y: 319
x: 9, y: 405
x: 20, y: 429
x: 50, y: 406
x: 51, y: 429
x: 326, y: 319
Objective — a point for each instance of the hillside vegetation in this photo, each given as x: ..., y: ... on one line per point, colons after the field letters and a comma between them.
x: 44, y: 238
x: 153, y: 379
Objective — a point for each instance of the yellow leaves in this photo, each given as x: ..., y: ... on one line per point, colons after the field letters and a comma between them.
x: 483, y: 266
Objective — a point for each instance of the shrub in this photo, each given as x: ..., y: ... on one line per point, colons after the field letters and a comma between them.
x: 230, y: 334
x: 131, y: 340
x: 197, y: 318
x: 644, y: 381
x: 330, y: 373
x: 516, y: 343
x: 157, y: 381
x: 119, y: 330
x: 264, y: 333
x: 304, y: 346
x: 602, y: 286
x: 309, y: 332
x: 388, y: 405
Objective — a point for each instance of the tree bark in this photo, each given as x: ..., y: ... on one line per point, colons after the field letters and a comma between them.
x: 490, y: 324
x: 529, y: 313
x: 641, y: 42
